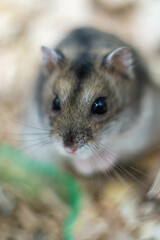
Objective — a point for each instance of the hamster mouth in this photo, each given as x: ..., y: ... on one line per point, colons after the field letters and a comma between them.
x: 98, y: 162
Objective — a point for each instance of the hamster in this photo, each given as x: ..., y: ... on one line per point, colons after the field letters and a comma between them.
x: 94, y: 104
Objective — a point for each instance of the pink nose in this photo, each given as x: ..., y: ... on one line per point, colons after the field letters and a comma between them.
x: 70, y: 150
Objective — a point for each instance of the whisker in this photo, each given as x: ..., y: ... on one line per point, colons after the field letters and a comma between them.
x: 106, y: 149
x: 121, y: 168
x: 121, y: 178
x: 26, y: 125
x: 96, y: 162
x: 95, y: 151
x: 138, y: 171
x: 106, y: 153
x: 39, y: 144
x: 133, y: 177
x: 24, y: 140
x: 26, y: 134
x: 109, y: 153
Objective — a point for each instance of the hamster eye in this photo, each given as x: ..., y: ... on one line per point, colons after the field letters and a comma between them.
x: 56, y: 104
x: 99, y: 106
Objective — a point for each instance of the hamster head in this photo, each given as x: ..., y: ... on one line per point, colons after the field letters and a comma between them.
x: 89, y: 100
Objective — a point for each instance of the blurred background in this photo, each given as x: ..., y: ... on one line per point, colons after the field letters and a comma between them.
x: 25, y: 25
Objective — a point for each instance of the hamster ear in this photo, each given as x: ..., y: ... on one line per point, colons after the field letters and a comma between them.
x: 119, y: 61
x: 51, y: 58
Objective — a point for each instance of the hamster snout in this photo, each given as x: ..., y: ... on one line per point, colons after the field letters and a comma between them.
x: 75, y: 140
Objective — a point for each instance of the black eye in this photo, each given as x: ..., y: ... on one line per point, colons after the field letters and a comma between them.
x: 56, y: 104
x: 99, y: 106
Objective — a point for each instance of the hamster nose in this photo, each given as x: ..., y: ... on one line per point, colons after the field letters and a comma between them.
x: 69, y: 145
x: 70, y: 150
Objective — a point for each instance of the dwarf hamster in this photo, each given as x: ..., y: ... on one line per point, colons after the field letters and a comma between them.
x: 93, y: 103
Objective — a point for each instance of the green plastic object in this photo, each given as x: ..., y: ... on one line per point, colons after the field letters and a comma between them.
x: 19, y: 166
